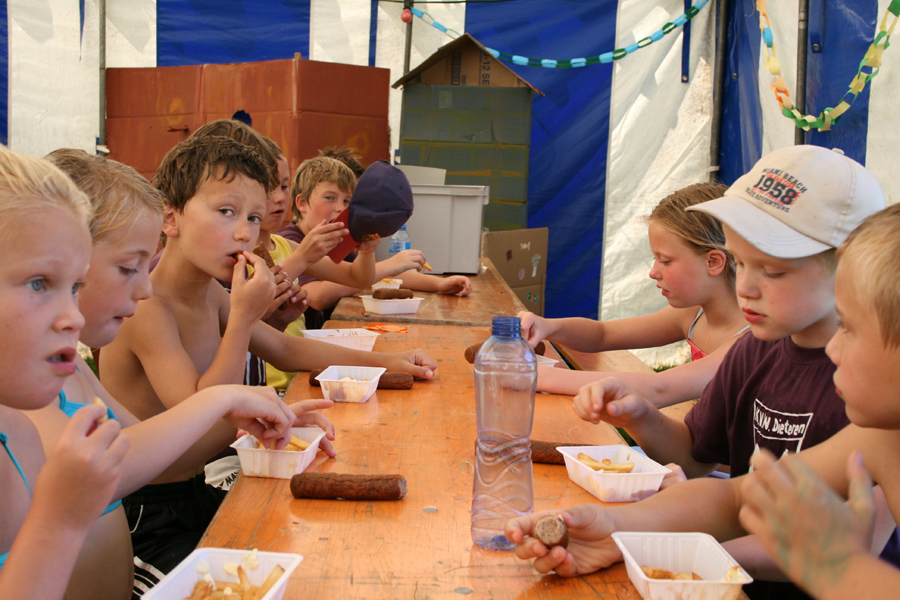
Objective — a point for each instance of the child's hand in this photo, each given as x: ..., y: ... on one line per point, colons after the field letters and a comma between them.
x: 807, y: 528
x: 368, y: 247
x: 321, y: 240
x: 415, y: 362
x: 458, y: 284
x: 533, y: 327
x: 287, y: 307
x: 674, y: 478
x: 590, y: 546
x: 610, y: 400
x: 306, y: 415
x: 257, y: 410
x: 251, y: 297
x: 403, y: 262
x: 83, y: 471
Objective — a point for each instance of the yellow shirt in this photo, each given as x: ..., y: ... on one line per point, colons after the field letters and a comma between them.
x: 279, y: 379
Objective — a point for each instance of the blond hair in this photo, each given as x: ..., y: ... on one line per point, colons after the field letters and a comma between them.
x: 32, y: 184
x: 700, y: 231
x: 347, y: 156
x: 873, y: 248
x: 314, y: 171
x: 119, y: 194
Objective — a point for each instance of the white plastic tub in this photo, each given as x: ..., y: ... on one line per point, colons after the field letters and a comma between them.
x: 387, y: 284
x: 642, y: 482
x: 280, y: 464
x: 357, y: 339
x: 349, y: 391
x: 680, y: 552
x: 179, y: 584
x: 392, y: 306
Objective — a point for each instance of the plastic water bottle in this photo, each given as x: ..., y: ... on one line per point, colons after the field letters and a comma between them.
x: 399, y: 241
x: 505, y: 383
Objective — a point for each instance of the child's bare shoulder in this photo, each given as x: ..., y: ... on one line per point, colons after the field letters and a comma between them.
x: 24, y: 440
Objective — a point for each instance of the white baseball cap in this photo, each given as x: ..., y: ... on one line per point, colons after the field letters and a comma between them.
x: 798, y: 201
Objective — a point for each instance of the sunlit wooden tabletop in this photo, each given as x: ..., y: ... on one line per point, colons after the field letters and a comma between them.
x: 490, y: 297
x: 418, y: 547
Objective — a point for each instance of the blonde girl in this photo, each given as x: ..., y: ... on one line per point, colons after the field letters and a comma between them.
x: 695, y: 274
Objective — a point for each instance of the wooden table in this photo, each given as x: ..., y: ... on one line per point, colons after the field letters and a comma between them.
x: 617, y: 361
x: 490, y: 297
x: 418, y: 547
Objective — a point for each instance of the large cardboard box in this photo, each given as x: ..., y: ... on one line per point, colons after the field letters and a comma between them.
x: 520, y: 257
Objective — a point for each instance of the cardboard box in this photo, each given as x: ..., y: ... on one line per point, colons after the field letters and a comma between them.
x: 520, y: 256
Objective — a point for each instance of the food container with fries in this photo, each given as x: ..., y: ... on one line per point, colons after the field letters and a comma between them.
x: 685, y: 566
x: 607, y: 486
x: 389, y: 284
x: 391, y: 306
x: 263, y: 571
x: 257, y: 461
x: 357, y: 339
x: 349, y: 384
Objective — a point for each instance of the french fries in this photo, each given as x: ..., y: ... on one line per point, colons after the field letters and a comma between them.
x: 295, y: 445
x: 209, y: 589
x: 426, y: 267
x: 102, y: 404
x: 654, y: 573
x: 605, y: 466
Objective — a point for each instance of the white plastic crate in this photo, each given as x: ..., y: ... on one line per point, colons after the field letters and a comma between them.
x: 696, y: 553
x: 280, y: 464
x: 357, y: 339
x: 642, y: 482
x: 179, y: 584
x: 394, y: 306
x: 349, y: 391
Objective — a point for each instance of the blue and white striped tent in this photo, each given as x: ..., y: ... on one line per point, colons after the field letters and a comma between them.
x: 609, y: 140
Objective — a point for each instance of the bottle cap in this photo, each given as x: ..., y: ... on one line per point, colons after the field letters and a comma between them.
x: 506, y: 327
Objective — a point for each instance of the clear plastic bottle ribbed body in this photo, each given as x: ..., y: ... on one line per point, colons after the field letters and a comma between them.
x: 505, y: 384
x: 399, y: 242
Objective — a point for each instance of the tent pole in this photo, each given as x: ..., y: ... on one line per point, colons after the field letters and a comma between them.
x: 101, y: 136
x: 715, y: 141
x: 802, y: 42
x: 407, y: 4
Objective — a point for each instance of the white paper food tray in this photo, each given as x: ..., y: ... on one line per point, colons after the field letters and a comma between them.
x: 642, y: 482
x: 349, y: 391
x: 680, y: 552
x: 357, y: 339
x: 393, y: 306
x: 545, y: 360
x: 387, y: 284
x: 179, y: 584
x: 280, y: 464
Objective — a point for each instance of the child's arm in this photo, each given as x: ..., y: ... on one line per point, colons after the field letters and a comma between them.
x: 820, y: 541
x: 587, y: 335
x: 456, y: 284
x: 359, y: 274
x: 72, y: 490
x: 708, y: 505
x: 321, y: 240
x: 664, y: 439
x: 685, y: 382
x: 154, y: 335
x: 288, y: 353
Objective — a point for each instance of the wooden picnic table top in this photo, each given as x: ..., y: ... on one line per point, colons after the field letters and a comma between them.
x: 490, y: 297
x: 418, y: 547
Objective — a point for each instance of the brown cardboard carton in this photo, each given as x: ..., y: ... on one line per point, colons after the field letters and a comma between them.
x: 520, y: 255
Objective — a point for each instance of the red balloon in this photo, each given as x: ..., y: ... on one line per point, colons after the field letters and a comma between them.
x: 406, y: 15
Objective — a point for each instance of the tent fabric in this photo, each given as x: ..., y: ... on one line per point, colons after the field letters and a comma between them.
x: 569, y: 133
x: 194, y: 32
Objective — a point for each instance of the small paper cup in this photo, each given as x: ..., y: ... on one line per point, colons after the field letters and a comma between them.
x: 388, y: 284
x: 280, y: 464
x: 179, y: 583
x: 393, y: 306
x: 680, y: 553
x: 349, y: 391
x: 357, y: 339
x: 642, y: 482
